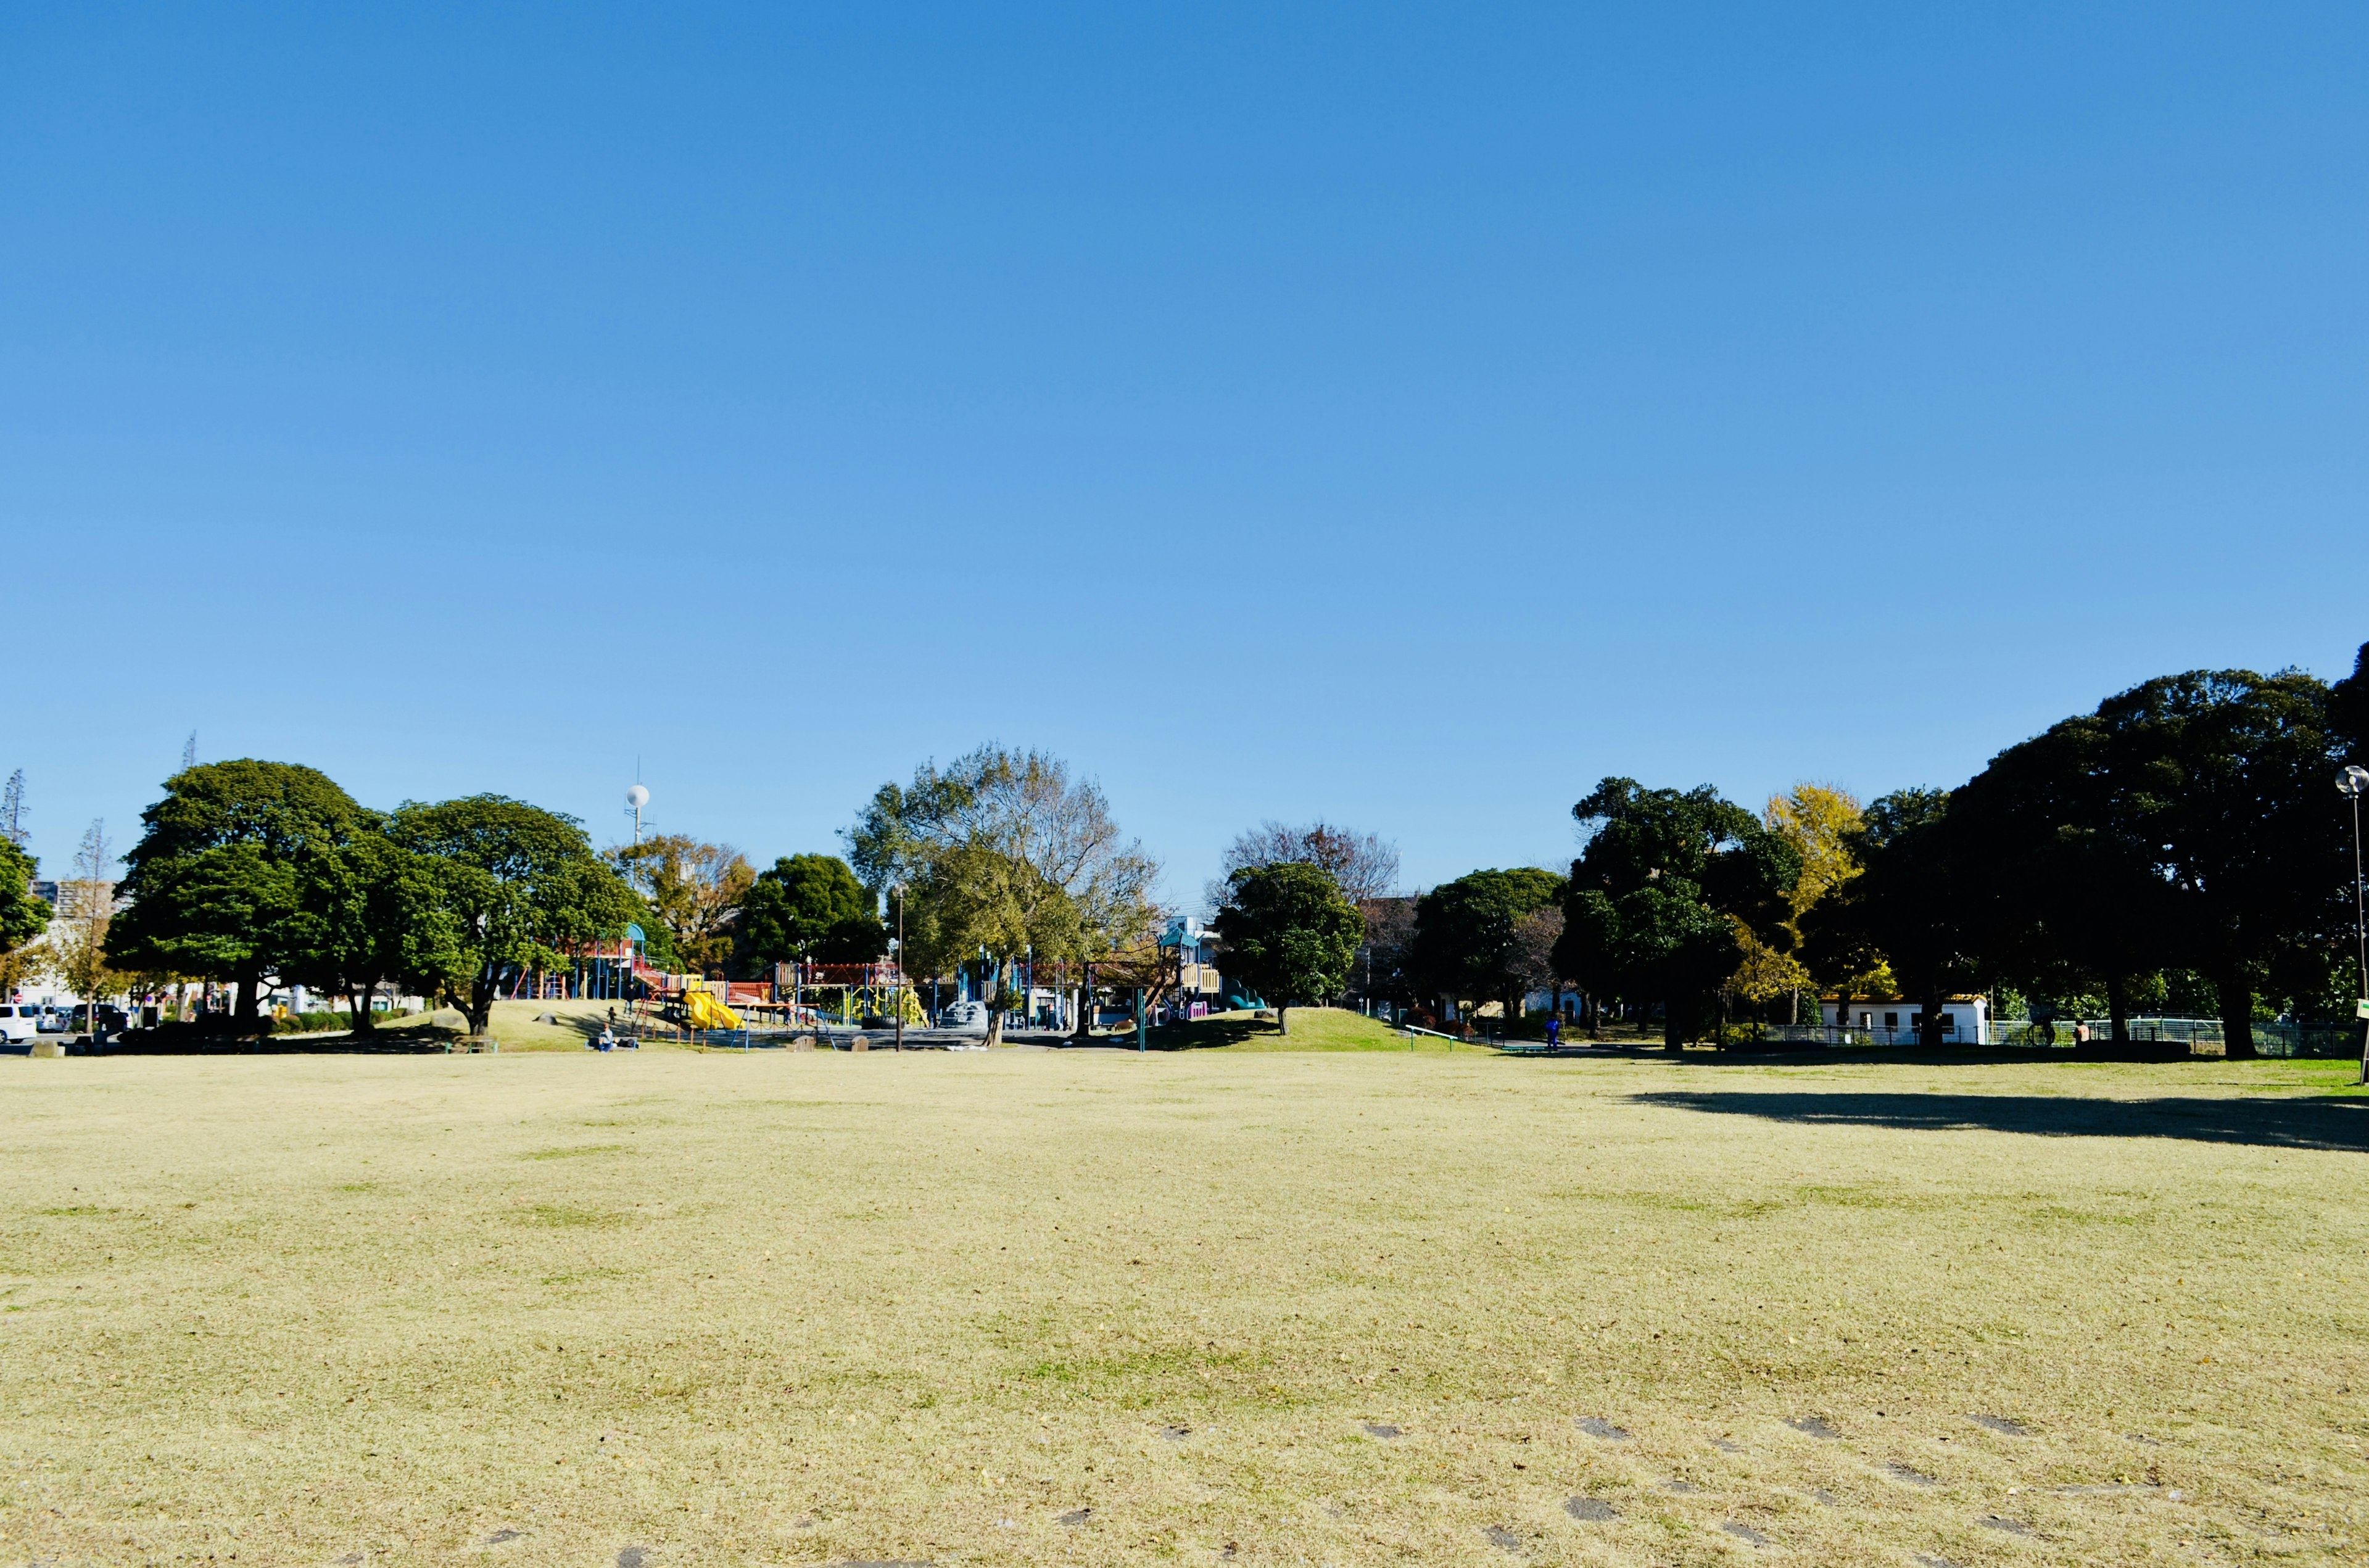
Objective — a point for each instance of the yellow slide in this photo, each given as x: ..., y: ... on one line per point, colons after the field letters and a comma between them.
x: 705, y: 1012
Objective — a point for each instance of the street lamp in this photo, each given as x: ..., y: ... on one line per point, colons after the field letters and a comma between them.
x: 900, y: 965
x: 2350, y: 784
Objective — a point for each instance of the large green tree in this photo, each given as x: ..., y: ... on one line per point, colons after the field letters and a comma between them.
x: 2229, y: 775
x: 216, y: 881
x: 521, y: 885
x: 807, y: 908
x: 1907, y: 905
x: 1288, y: 934
x: 1468, y: 934
x: 23, y: 917
x: 1003, y: 853
x: 376, y: 913
x: 1659, y: 894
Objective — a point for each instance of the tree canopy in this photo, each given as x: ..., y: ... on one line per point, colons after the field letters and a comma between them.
x: 1470, y: 935
x: 1003, y: 852
x: 216, y: 881
x: 521, y: 885
x: 695, y: 890
x: 1363, y: 864
x: 1288, y: 934
x: 808, y: 909
x: 1658, y: 894
x: 23, y: 917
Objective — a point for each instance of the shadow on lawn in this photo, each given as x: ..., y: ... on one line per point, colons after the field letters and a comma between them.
x: 2281, y: 1124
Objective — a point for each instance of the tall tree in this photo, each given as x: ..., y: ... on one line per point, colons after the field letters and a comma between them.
x: 23, y: 917
x: 695, y: 888
x: 1288, y: 934
x: 1468, y: 935
x: 2056, y: 887
x: 2229, y: 773
x: 1365, y: 866
x: 1817, y: 821
x: 215, y: 881
x: 1002, y: 852
x: 375, y: 914
x: 1658, y: 892
x: 807, y: 908
x: 1907, y: 906
x: 521, y: 885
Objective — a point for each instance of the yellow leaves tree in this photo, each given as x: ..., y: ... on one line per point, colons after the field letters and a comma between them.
x: 694, y: 888
x: 1818, y: 820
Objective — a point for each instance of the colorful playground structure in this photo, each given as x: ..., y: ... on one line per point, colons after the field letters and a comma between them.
x: 806, y: 996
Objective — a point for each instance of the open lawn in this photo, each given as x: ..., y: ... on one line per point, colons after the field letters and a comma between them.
x: 1200, y: 1307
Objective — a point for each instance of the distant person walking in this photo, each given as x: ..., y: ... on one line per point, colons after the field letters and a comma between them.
x: 1554, y: 1031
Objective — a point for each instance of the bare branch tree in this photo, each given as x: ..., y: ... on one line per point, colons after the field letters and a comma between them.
x: 1365, y: 864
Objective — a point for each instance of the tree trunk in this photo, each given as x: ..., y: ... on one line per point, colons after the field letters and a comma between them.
x: 2118, y: 1009
x: 1934, y: 1001
x: 1674, y: 1035
x: 250, y: 997
x: 363, y: 1022
x: 1085, y: 1028
x: 482, y: 992
x: 2237, y: 1016
x: 1282, y: 1019
x: 994, y: 1024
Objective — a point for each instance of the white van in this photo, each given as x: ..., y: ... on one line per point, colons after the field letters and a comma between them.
x: 20, y: 1021
x: 964, y: 1018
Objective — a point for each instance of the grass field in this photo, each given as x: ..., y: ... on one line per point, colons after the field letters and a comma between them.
x: 1198, y: 1307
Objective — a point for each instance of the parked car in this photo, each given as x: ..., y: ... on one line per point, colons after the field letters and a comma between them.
x: 110, y: 1019
x: 53, y: 1018
x: 20, y: 1021
x: 963, y: 1017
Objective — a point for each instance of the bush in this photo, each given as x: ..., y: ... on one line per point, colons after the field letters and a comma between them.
x: 311, y: 1023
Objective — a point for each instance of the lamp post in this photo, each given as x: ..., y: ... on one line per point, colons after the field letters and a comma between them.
x: 2350, y: 784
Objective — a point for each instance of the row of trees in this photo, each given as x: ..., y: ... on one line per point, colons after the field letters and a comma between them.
x: 249, y: 873
x: 2180, y: 846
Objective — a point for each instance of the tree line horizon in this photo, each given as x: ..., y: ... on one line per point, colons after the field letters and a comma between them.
x: 2181, y: 847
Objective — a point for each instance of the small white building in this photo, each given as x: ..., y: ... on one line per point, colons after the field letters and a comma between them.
x: 1896, y: 1021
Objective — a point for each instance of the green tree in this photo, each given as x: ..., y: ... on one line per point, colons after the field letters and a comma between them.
x: 1908, y: 905
x: 1468, y: 934
x: 215, y: 881
x: 520, y: 885
x: 2228, y: 774
x: 1288, y: 934
x: 807, y: 908
x: 1003, y: 853
x: 375, y: 914
x: 23, y: 917
x: 1658, y: 893
x: 695, y: 889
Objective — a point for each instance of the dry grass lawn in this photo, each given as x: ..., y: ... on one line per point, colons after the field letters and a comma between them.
x: 1097, y: 1308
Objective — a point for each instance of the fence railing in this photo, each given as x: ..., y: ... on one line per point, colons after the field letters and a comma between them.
x: 2322, y: 1040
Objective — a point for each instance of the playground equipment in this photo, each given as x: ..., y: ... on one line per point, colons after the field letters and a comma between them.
x: 703, y: 1011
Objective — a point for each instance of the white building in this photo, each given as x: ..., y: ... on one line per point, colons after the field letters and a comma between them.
x: 1896, y: 1021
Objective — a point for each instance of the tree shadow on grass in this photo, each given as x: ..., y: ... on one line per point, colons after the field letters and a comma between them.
x: 2332, y: 1124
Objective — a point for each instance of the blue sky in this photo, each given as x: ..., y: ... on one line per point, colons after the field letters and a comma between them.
x: 1405, y: 416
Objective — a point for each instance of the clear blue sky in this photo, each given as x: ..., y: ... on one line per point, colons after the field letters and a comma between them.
x: 1401, y: 415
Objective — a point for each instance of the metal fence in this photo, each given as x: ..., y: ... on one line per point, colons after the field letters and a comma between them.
x: 2202, y: 1035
